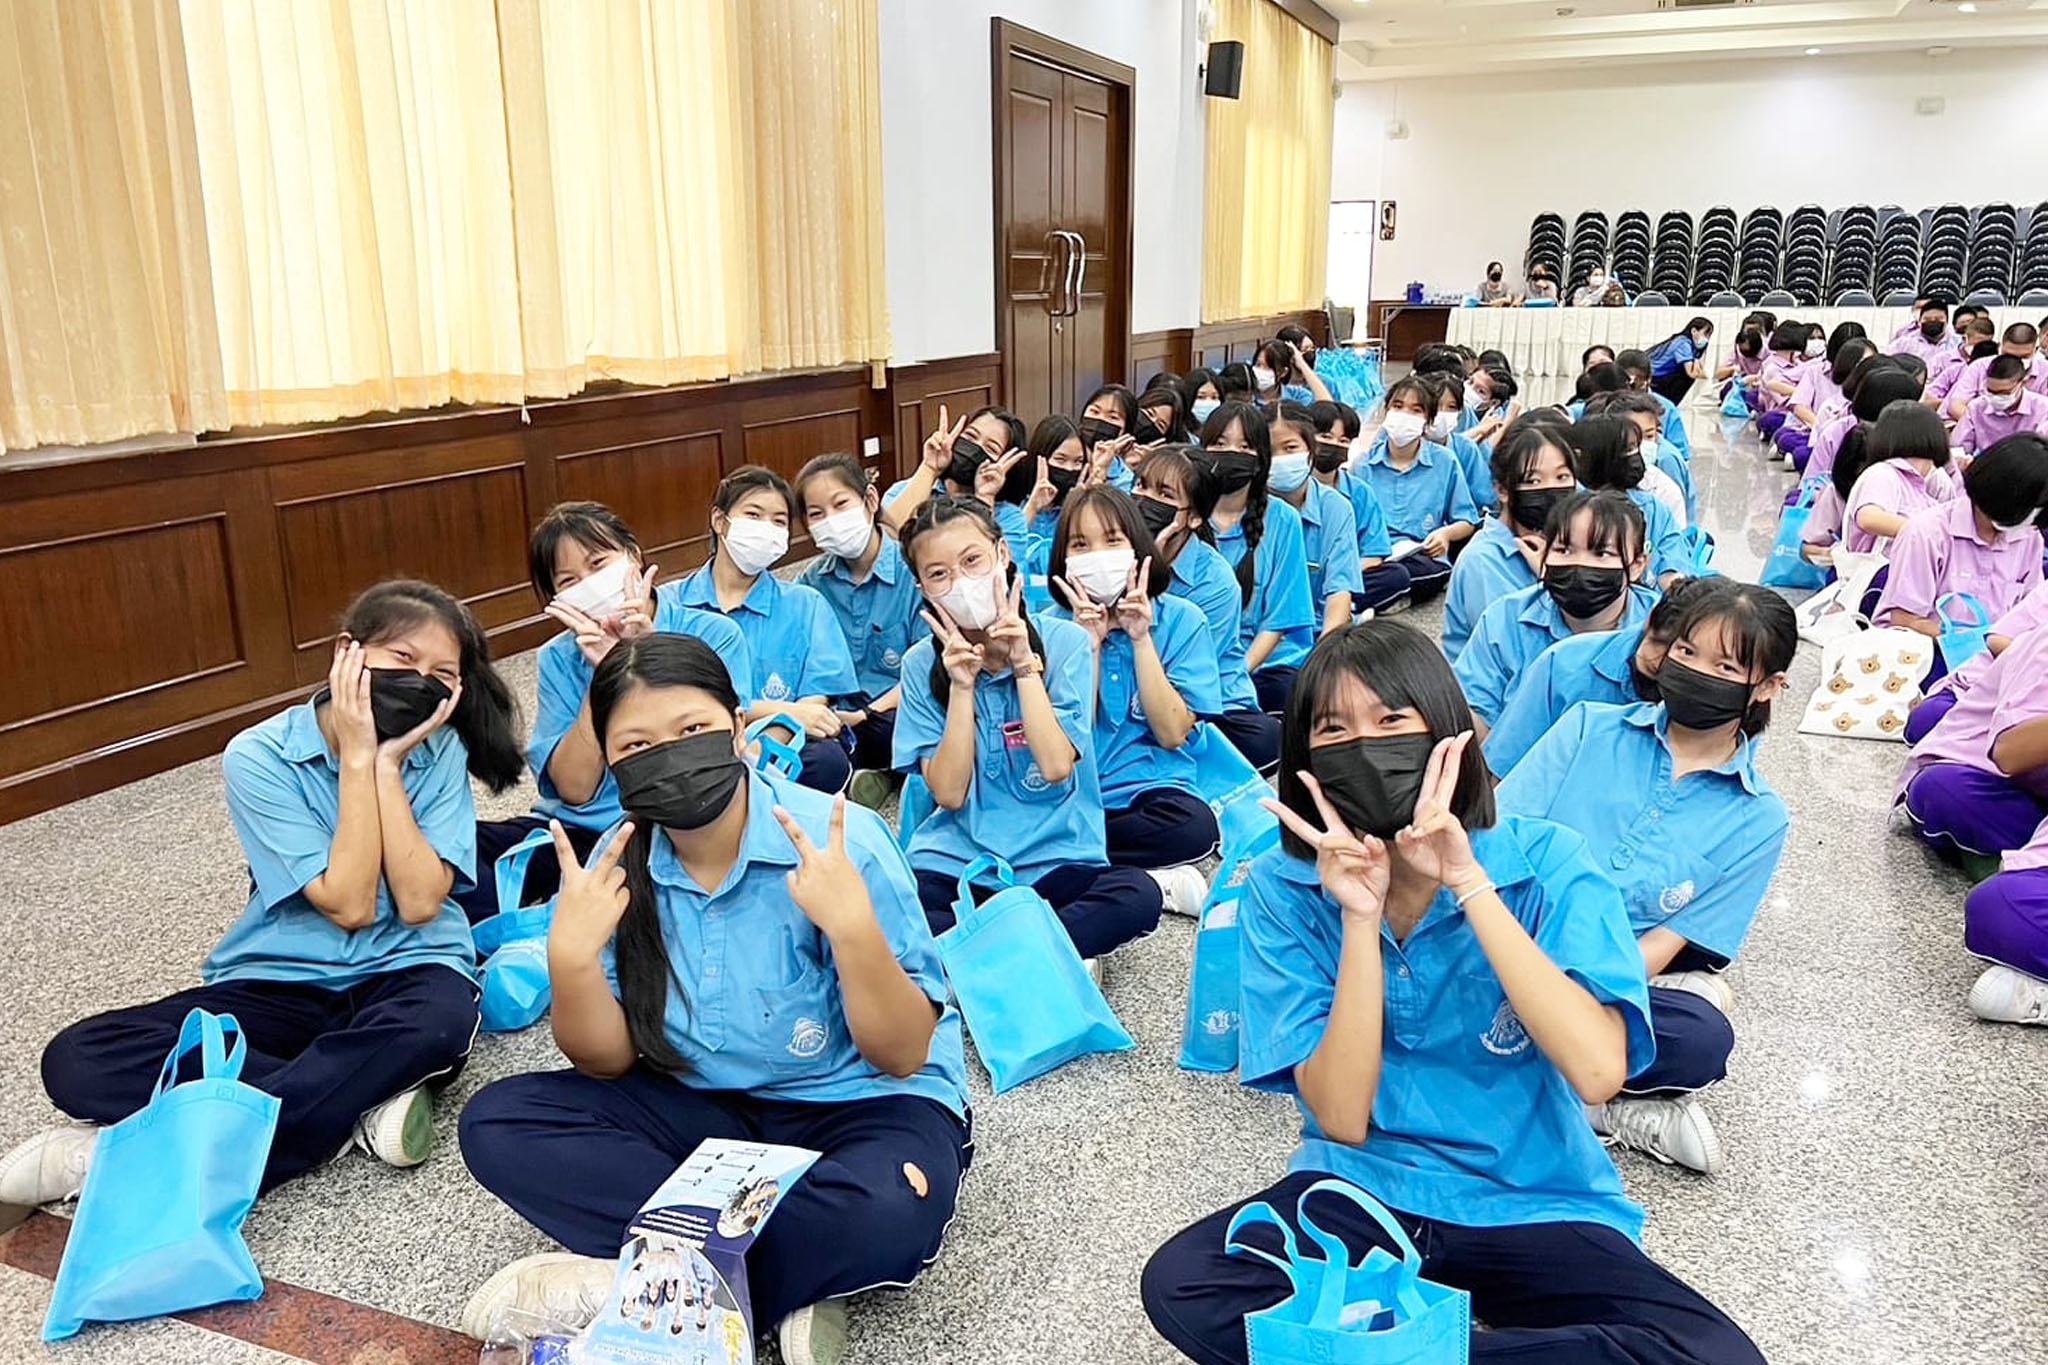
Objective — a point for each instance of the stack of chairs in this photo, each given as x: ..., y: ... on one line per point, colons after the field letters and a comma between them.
x: 1803, y: 274
x: 1994, y: 253
x: 1589, y: 248
x: 1758, y: 262
x: 1631, y: 251
x: 1671, y: 259
x: 1713, y: 270
x: 1546, y: 246
x: 1852, y: 263
x: 1898, y: 254
x: 1944, y: 246
x: 2032, y: 284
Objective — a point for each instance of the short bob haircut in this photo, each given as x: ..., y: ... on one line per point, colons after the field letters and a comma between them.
x: 2009, y: 482
x: 1601, y: 447
x: 1606, y: 377
x: 1118, y: 509
x: 1754, y: 624
x: 1598, y: 348
x: 1623, y: 403
x: 1184, y: 465
x: 1332, y: 413
x: 1422, y: 386
x: 1617, y: 525
x: 592, y: 525
x: 1408, y: 672
x: 1789, y: 335
x: 1235, y: 381
x: 1515, y: 454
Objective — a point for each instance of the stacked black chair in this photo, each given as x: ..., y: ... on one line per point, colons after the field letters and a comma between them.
x: 1671, y: 258
x: 1898, y: 254
x: 1589, y: 247
x: 1546, y: 246
x: 1994, y: 251
x: 1758, y: 262
x: 1852, y: 262
x: 1630, y: 251
x: 2033, y: 263
x: 1713, y: 270
x: 1944, y: 249
x: 1652, y: 298
x: 1806, y: 250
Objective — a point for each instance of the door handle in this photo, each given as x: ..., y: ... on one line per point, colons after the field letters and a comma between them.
x: 1053, y: 273
x: 1077, y: 259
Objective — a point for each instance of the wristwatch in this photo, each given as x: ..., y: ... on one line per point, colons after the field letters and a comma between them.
x: 1031, y: 667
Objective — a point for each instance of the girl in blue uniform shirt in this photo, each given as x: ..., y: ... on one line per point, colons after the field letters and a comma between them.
x: 1592, y: 557
x: 800, y: 657
x: 1262, y: 541
x: 873, y: 595
x: 1442, y: 991
x: 1383, y: 582
x: 1058, y: 456
x: 997, y: 715
x: 744, y: 959
x: 1329, y: 526
x: 1490, y: 404
x: 980, y: 456
x: 1443, y: 430
x: 1161, y: 416
x: 1155, y: 677
x: 1607, y: 453
x: 1176, y: 496
x: 1199, y: 395
x: 588, y: 571
x: 351, y: 970
x: 1107, y: 422
x: 1420, y: 486
x: 1530, y: 472
x: 1667, y: 476
x: 1672, y: 808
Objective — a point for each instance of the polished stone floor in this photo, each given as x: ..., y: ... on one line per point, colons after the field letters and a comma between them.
x: 1883, y: 1200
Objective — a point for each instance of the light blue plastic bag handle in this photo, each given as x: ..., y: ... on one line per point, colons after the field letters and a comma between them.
x: 218, y: 1061
x: 1263, y: 1212
x: 776, y: 752
x: 1949, y: 622
x: 963, y: 905
x: 510, y: 871
x: 1330, y: 1306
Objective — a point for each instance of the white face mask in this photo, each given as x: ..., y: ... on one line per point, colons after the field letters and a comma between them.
x: 1402, y: 428
x: 1596, y: 281
x: 971, y: 602
x: 1202, y: 407
x: 1262, y: 378
x: 755, y: 545
x: 2003, y: 402
x: 1474, y: 399
x: 1816, y: 346
x: 1652, y: 447
x: 845, y: 533
x: 600, y: 594
x: 1102, y: 574
x: 1288, y: 472
x: 1442, y: 426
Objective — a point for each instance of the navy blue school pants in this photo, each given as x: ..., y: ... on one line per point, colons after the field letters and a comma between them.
x: 328, y: 1055
x: 1274, y: 683
x: 1383, y: 583
x: 1101, y: 908
x: 1693, y: 1043
x: 1164, y: 827
x: 1255, y: 734
x: 874, y: 742
x: 1550, y: 1293
x: 576, y: 1156
x: 543, y: 873
x: 1427, y: 576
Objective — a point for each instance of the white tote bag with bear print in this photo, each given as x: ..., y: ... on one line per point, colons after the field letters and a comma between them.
x: 1869, y: 684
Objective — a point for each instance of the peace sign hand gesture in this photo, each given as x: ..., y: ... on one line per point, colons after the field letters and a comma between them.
x: 1044, y: 492
x: 1353, y: 868
x: 989, y: 477
x: 1435, y: 841
x: 1134, y: 608
x: 593, y: 897
x: 633, y: 620
x: 826, y: 885
x: 1086, y: 611
x: 961, y: 659
x: 1007, y: 639
x: 938, y: 447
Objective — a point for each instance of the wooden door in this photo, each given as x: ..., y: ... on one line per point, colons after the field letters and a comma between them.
x: 1062, y: 181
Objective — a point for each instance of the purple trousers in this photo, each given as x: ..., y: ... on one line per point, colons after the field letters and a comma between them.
x: 1960, y: 809
x: 1797, y: 443
x: 2006, y: 920
x: 1769, y: 422
x: 1928, y: 714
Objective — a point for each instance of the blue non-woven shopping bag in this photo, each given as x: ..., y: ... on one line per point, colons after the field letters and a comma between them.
x: 1230, y: 784
x: 1209, y: 1033
x: 1733, y: 403
x: 1700, y: 542
x: 159, y: 1225
x: 913, y: 806
x: 1379, y: 1311
x: 1962, y: 641
x: 776, y: 754
x: 1028, y: 1003
x: 1787, y: 567
x: 513, y: 982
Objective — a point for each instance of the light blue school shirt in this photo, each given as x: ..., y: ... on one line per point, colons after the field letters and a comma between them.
x: 880, y: 617
x: 1009, y: 518
x: 565, y: 681
x: 1490, y: 568
x: 1669, y: 552
x: 1298, y: 393
x: 1366, y: 511
x: 1011, y: 809
x: 1675, y: 467
x: 1471, y: 1124
x: 761, y: 1010
x: 1430, y: 493
x: 1280, y: 595
x: 1592, y: 667
x: 1513, y: 631
x: 1329, y: 537
x: 791, y: 633
x: 1129, y: 760
x: 1203, y: 577
x: 1476, y: 464
x: 284, y: 795
x: 1673, y: 429
x: 1693, y: 856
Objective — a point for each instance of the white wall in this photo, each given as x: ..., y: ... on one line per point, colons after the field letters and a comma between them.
x: 938, y: 161
x: 1485, y: 154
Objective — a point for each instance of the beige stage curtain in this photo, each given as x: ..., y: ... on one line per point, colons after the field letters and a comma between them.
x: 106, y: 314
x: 1267, y: 198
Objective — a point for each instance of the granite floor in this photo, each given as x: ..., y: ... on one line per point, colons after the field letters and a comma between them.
x: 1883, y: 1200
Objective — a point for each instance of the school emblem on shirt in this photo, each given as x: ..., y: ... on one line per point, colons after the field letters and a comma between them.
x: 891, y: 659
x: 1507, y: 1036
x: 807, y: 1039
x: 1034, y: 780
x: 1137, y: 707
x: 1219, y: 1023
x: 1675, y: 898
x: 775, y: 689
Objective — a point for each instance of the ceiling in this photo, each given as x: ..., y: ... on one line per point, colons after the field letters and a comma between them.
x: 1400, y: 39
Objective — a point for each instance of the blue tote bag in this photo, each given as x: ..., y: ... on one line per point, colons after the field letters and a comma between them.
x: 1700, y: 543
x: 1027, y: 1000
x: 913, y: 807
x: 513, y: 944
x: 1377, y: 1312
x: 159, y: 1225
x: 1787, y: 568
x: 1230, y: 784
x: 1962, y: 641
x: 776, y: 754
x: 1209, y: 1033
x: 1733, y: 403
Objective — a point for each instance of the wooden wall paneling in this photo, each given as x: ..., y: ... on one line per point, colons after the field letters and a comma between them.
x: 917, y: 392
x: 1171, y: 350
x: 1216, y: 344
x: 660, y: 483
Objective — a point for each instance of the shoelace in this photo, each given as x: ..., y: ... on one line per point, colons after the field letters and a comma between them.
x: 1642, y: 1127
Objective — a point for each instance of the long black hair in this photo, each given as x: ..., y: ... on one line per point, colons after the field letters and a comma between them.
x: 1600, y: 450
x: 1118, y: 509
x: 646, y: 971
x: 484, y: 717
x: 942, y: 510
x: 1757, y: 625
x: 1252, y: 423
x: 1184, y: 464
x: 2009, y: 482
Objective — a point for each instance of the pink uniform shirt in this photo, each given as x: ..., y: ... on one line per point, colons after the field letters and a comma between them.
x: 1984, y: 426
x: 2013, y: 690
x: 1893, y: 486
x: 1969, y: 382
x: 1939, y: 551
x: 1783, y: 368
x: 1908, y: 341
x: 1827, y: 443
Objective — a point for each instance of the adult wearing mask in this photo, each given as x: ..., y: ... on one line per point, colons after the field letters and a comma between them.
x: 1492, y: 292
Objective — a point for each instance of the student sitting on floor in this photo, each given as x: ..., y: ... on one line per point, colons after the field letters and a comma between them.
x: 1886, y: 472
x: 2030, y: 613
x: 1531, y: 472
x: 1666, y: 476
x: 1261, y: 539
x: 998, y: 716
x: 1199, y: 395
x: 1161, y: 418
x: 351, y: 971
x: 1443, y: 992
x: 1984, y: 543
x: 2004, y: 407
x: 745, y: 959
x: 800, y: 657
x: 1779, y: 379
x: 1827, y: 440
x: 1745, y: 365
x: 1420, y: 486
x: 1329, y: 526
x: 2020, y: 341
x: 1592, y: 559
x: 1818, y: 394
x: 980, y: 456
x: 1490, y: 402
x: 1155, y: 677
x: 1608, y: 455
x: 1105, y: 424
x: 1674, y: 812
x: 1058, y: 457
x: 1443, y: 430
x: 1978, y: 340
x: 1384, y: 583
x: 1636, y: 366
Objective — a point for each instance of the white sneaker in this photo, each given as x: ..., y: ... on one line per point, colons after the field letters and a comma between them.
x: 48, y: 1167
x: 1184, y: 888
x: 564, y: 1288
x: 400, y: 1131
x: 815, y: 1335
x: 2001, y: 995
x: 1093, y: 966
x: 1711, y: 987
x: 1675, y: 1132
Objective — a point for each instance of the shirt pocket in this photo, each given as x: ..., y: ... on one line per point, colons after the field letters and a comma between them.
x: 798, y: 1020
x: 1003, y: 760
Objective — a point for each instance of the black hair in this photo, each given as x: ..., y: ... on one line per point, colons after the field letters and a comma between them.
x: 1607, y: 377
x: 1957, y: 313
x: 1234, y: 381
x: 1183, y: 463
x: 1931, y: 305
x: 1860, y: 375
x: 1407, y: 671
x: 1670, y: 608
x: 1165, y: 378
x: 1789, y: 336
x: 942, y: 510
x: 836, y: 464
x: 1295, y: 336
x: 1438, y: 358
x: 1120, y: 509
x: 1126, y: 405
x: 1634, y: 363
x: 1252, y: 423
x: 1597, y: 348
x: 1844, y: 333
x: 2005, y: 366
x: 1423, y: 386
x: 1817, y: 331
x: 1491, y: 359
x: 2009, y: 482
x: 1758, y: 626
x: 1750, y: 342
x: 1601, y: 447
x: 646, y: 970
x: 1905, y: 429
x: 1582, y: 387
x: 2021, y: 334
x: 483, y: 719
x: 1166, y: 395
x: 1054, y: 430
x: 1851, y: 353
x: 1017, y: 484
x: 1618, y: 524
x: 1767, y: 318
x: 1913, y: 365
x: 1519, y: 448
x: 749, y: 478
x: 1879, y: 389
x: 1191, y: 385
x: 1624, y: 402
x: 1277, y: 357
x: 1503, y: 385
x: 1298, y: 416
x: 1980, y: 325
x: 1687, y: 330
x: 1331, y: 413
x: 1013, y: 425
x: 590, y: 524
x: 1986, y: 347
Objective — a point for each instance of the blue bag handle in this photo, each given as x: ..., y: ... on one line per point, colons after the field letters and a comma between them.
x: 1948, y: 622
x: 1701, y: 542
x: 510, y: 870
x: 776, y: 753
x: 1262, y: 1212
x: 963, y: 905
x: 218, y: 1061
x: 1330, y: 1306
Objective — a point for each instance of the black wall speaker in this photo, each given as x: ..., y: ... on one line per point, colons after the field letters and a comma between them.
x: 1226, y: 70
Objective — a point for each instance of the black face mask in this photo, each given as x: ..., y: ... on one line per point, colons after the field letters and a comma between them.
x: 1147, y: 431
x: 1094, y: 431
x: 1374, y: 783
x: 1632, y: 469
x: 1700, y: 701
x: 1933, y: 331
x: 1582, y: 591
x: 684, y: 784
x: 1493, y: 275
x: 400, y: 700
x: 967, y: 457
x: 1330, y: 456
x: 1531, y: 507
x: 1158, y: 515
x: 1645, y: 683
x: 1234, y: 469
x: 1062, y: 479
